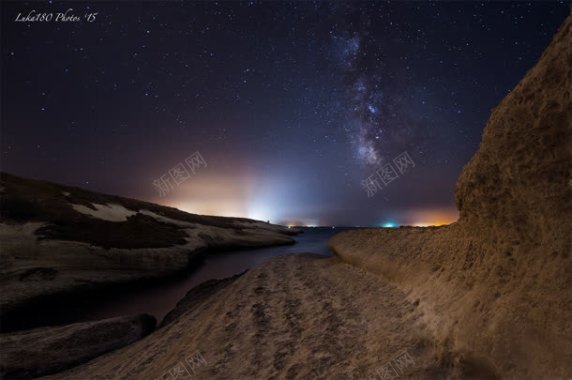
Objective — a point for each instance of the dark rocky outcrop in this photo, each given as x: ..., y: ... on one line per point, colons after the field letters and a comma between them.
x: 42, y: 351
x: 197, y: 296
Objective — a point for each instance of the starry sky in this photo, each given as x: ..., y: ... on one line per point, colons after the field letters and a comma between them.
x: 313, y: 113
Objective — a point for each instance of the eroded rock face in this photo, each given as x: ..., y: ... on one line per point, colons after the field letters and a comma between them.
x: 197, y: 296
x: 496, y: 287
x: 520, y: 176
x: 42, y: 351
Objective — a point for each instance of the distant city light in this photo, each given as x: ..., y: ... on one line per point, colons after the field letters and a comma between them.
x: 389, y: 225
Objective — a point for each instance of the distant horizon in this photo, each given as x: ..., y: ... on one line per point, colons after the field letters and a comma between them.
x: 435, y: 217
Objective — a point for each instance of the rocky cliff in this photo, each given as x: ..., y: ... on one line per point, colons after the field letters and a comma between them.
x: 496, y: 287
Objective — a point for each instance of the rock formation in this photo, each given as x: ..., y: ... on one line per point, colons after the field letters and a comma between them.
x: 59, y: 240
x: 496, y: 287
x: 41, y: 351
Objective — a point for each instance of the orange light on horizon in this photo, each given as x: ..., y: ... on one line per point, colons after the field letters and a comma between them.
x: 432, y: 217
x: 432, y: 223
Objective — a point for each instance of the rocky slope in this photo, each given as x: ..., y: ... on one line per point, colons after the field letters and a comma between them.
x: 32, y: 353
x: 59, y: 240
x: 495, y: 288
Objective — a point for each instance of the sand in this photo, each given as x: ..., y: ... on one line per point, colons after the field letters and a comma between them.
x: 293, y: 317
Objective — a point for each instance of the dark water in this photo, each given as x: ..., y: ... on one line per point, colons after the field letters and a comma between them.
x: 158, y: 299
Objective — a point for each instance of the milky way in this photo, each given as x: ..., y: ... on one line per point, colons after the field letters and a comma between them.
x: 378, y: 123
x: 292, y: 104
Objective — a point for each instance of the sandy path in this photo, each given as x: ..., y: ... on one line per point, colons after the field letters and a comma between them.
x: 293, y: 317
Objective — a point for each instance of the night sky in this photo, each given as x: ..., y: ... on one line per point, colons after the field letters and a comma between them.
x: 296, y: 108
